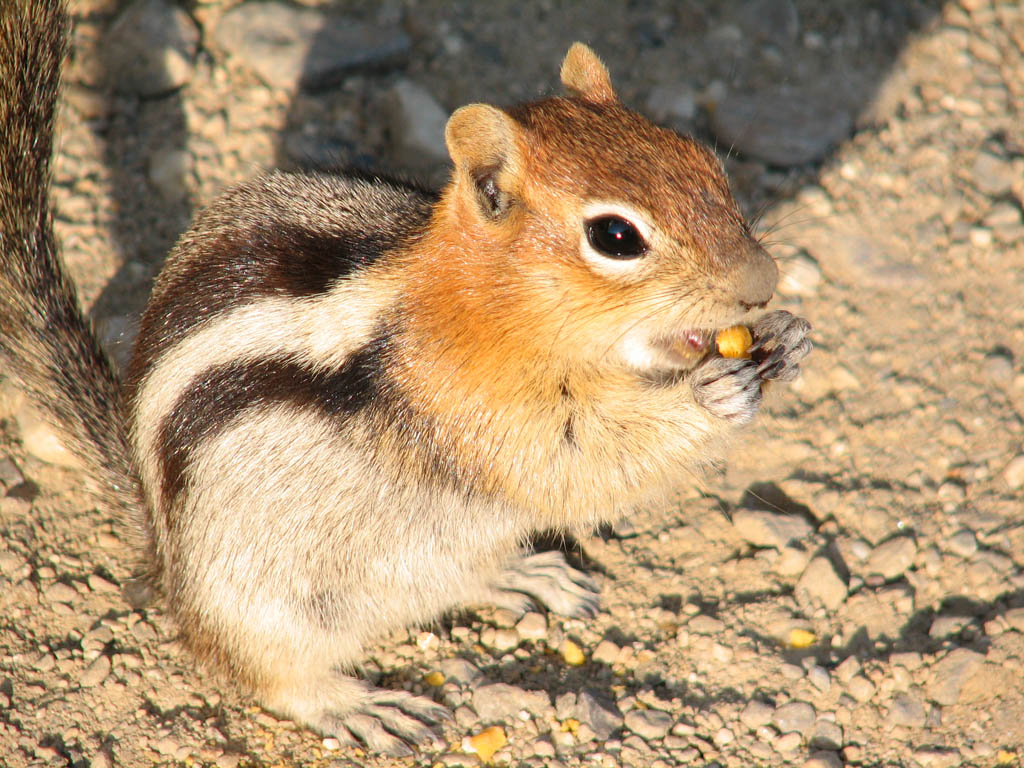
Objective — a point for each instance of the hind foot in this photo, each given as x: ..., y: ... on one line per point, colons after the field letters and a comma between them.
x: 544, y: 578
x: 357, y: 714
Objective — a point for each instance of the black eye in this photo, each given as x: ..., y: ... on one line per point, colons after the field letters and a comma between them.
x: 615, y: 237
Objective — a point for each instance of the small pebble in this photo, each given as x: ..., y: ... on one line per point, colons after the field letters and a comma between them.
x: 819, y: 678
x: 826, y: 735
x: 606, y: 652
x: 861, y: 688
x: 96, y: 672
x: 650, y: 724
x: 796, y: 716
x: 787, y: 743
x: 60, y: 593
x: 533, y: 626
x: 821, y: 584
x: 907, y: 710
x: 891, y: 558
x: 963, y: 543
x: 823, y: 760
x: 756, y: 714
x: 1014, y: 473
x: 951, y: 673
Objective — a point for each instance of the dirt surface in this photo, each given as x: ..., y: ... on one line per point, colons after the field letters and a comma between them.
x: 847, y: 590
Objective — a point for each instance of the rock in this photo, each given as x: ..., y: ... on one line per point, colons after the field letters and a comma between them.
x: 673, y: 104
x: 96, y: 672
x: 907, y: 710
x: 768, y: 529
x: 756, y: 714
x: 937, y: 757
x: 169, y: 171
x: 649, y: 724
x: 500, y: 701
x: 1014, y: 472
x: 533, y: 626
x: 702, y: 624
x: 1015, y: 618
x: 42, y: 441
x: 606, y: 652
x: 60, y: 593
x: 993, y: 176
x: 891, y: 558
x: 417, y: 124
x: 603, y: 717
x: 821, y: 584
x: 774, y: 22
x: 10, y: 475
x: 818, y: 677
x: 291, y: 47
x: 460, y: 672
x: 951, y: 673
x: 823, y: 760
x: 860, y: 688
x: 826, y: 735
x: 780, y: 127
x: 794, y: 717
x: 963, y: 543
x: 800, y: 275
x: 151, y: 48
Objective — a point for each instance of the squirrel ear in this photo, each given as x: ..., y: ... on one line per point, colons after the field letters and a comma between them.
x: 586, y: 77
x: 483, y: 143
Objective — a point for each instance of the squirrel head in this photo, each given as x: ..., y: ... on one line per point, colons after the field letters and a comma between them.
x: 620, y: 236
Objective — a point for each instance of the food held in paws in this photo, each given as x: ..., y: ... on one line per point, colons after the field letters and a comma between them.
x: 734, y: 341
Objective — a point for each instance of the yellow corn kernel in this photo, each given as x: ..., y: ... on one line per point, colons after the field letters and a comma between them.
x: 434, y: 679
x: 734, y: 342
x: 572, y: 654
x: 801, y: 638
x: 486, y: 743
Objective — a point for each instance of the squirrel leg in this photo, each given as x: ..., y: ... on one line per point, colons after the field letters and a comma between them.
x: 545, y: 578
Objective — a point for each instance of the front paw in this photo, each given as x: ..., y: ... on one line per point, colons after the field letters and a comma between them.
x: 780, y: 344
x: 730, y: 388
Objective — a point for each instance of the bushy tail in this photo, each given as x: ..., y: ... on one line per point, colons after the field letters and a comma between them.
x: 46, y: 345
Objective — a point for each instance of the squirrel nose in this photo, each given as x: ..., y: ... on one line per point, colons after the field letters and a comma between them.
x: 754, y: 277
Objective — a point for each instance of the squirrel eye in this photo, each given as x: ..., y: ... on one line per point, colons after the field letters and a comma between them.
x: 615, y: 237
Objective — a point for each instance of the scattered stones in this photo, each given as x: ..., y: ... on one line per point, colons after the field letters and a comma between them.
x: 460, y: 672
x: 151, y: 48
x: 796, y: 716
x: 892, y: 558
x: 935, y: 757
x: 291, y: 47
x: 952, y: 673
x: 1015, y: 618
x: 533, y: 626
x: 649, y: 724
x: 767, y: 529
x: 821, y: 584
x: 500, y: 701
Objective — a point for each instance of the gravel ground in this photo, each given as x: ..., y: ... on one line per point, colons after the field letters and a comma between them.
x: 847, y: 590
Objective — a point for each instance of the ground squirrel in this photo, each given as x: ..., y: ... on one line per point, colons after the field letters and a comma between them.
x: 353, y: 400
